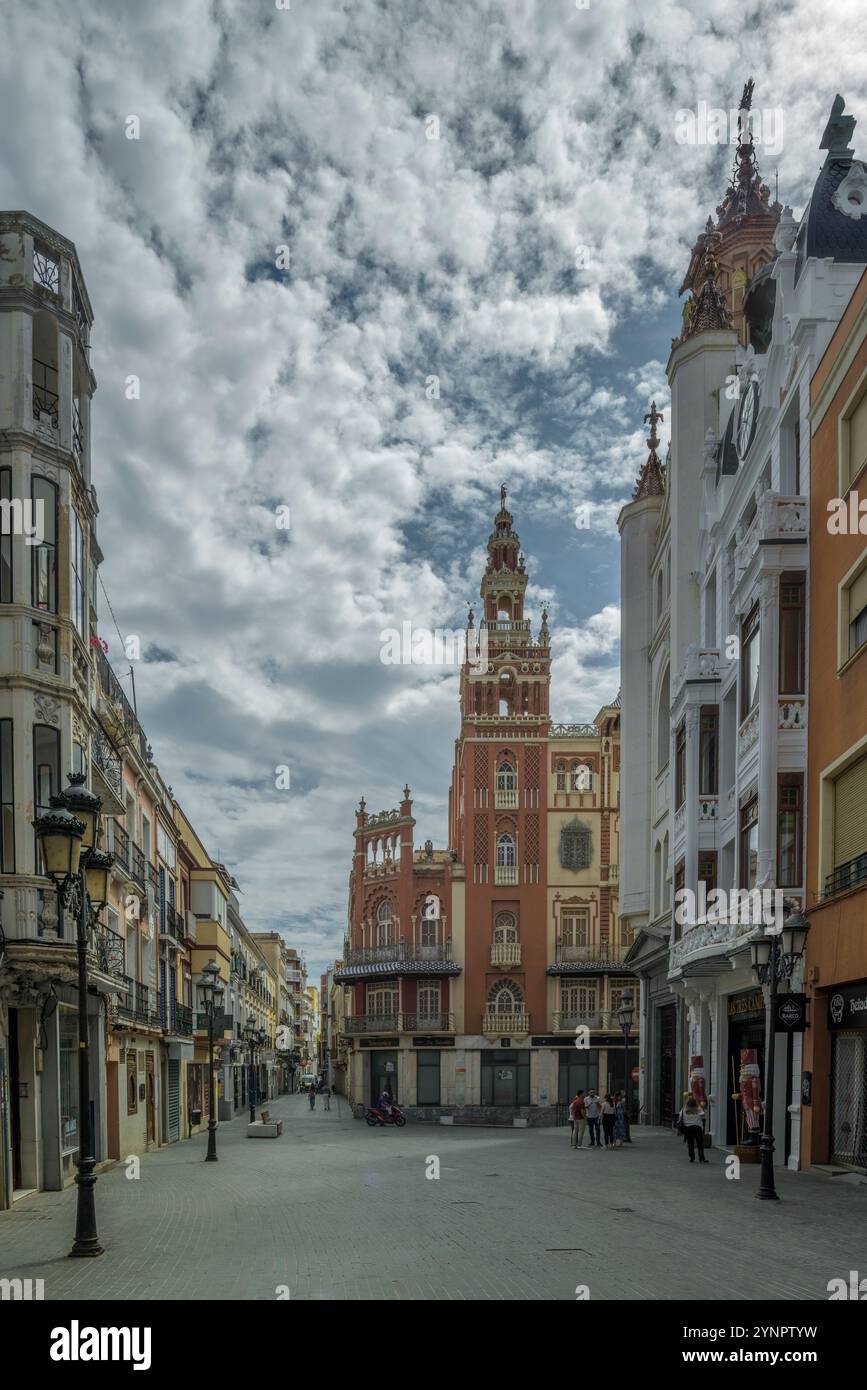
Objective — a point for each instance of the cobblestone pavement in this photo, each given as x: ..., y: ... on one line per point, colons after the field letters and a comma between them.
x: 336, y: 1210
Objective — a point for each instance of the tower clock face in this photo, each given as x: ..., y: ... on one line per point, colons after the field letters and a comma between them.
x: 747, y: 419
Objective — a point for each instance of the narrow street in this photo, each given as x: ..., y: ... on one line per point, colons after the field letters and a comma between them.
x: 336, y: 1210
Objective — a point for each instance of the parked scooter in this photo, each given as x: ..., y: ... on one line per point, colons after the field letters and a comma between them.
x: 374, y: 1115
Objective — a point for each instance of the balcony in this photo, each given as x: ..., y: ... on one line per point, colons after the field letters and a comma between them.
x: 108, y: 952
x: 397, y: 958
x: 120, y: 849
x: 602, y: 1021
x: 398, y: 1023
x: 505, y: 1025
x: 506, y: 799
x: 506, y: 874
x: 852, y: 874
x: 138, y: 866
x: 118, y: 711
x: 172, y: 925
x: 135, y: 1005
x: 182, y: 1020
x: 108, y: 769
x: 569, y: 960
x: 505, y: 953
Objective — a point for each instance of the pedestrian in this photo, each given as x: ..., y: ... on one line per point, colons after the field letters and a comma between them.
x: 608, y: 1117
x: 578, y: 1116
x: 326, y: 1097
x: 621, y: 1096
x: 312, y: 1095
x: 593, y: 1109
x: 690, y: 1123
x: 620, y: 1121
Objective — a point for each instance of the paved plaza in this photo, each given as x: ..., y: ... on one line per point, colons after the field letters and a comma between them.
x: 336, y: 1210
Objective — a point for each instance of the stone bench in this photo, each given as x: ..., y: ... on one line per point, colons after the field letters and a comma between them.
x: 259, y: 1129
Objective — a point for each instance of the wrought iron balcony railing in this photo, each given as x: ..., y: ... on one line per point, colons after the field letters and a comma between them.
x: 107, y: 947
x: 108, y: 762
x: 399, y: 951
x: 398, y: 1023
x: 138, y: 866
x: 120, y: 849
x: 602, y: 1020
x: 846, y: 876
x: 597, y: 953
x: 182, y: 1020
x: 136, y: 1003
x: 46, y: 270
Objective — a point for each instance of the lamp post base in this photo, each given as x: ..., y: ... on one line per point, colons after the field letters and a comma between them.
x: 86, y: 1244
x: 767, y: 1191
x: 211, y: 1155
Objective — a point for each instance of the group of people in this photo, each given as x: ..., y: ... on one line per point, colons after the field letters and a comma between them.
x: 606, y: 1118
x: 314, y: 1089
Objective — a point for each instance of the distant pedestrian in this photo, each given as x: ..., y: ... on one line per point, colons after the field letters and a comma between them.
x: 312, y: 1096
x: 326, y: 1097
x: 690, y: 1123
x: 621, y: 1096
x: 578, y: 1116
x: 608, y: 1118
x: 620, y: 1121
x: 593, y: 1110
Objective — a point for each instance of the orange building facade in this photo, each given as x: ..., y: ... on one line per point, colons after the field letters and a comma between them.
x: 834, y: 1127
x: 472, y: 972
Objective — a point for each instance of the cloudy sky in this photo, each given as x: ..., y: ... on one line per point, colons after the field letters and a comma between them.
x: 331, y: 213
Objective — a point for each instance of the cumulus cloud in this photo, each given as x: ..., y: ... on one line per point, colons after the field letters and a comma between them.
x: 331, y: 311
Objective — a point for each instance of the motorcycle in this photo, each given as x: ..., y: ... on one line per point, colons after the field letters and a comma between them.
x: 374, y: 1116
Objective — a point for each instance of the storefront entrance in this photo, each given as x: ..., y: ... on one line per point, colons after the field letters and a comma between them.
x: 383, y: 1075
x: 578, y: 1072
x: 746, y: 1019
x: 667, y: 1016
x: 506, y: 1077
x: 849, y: 1099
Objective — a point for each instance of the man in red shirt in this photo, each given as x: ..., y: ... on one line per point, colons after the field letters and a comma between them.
x: 578, y: 1116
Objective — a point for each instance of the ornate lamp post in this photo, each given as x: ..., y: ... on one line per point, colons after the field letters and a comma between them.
x: 255, y: 1037
x: 774, y: 957
x: 212, y: 995
x: 67, y: 837
x: 625, y: 1017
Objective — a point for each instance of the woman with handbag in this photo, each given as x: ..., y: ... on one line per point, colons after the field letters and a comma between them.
x: 690, y: 1123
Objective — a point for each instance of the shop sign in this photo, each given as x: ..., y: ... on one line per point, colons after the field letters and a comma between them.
x: 847, y: 1006
x: 433, y: 1042
x: 753, y: 1003
x: 380, y: 1042
x: 791, y: 1016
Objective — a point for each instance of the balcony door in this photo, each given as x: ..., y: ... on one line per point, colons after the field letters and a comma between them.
x: 579, y: 999
x: 429, y: 1003
x: 382, y: 1005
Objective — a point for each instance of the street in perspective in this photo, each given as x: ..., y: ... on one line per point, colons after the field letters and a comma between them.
x: 433, y: 670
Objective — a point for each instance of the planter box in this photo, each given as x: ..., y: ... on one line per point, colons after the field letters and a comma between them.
x: 258, y: 1130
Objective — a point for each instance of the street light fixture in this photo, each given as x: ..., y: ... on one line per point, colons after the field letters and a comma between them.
x: 625, y: 1017
x: 774, y: 957
x: 67, y: 836
x: 212, y: 995
x: 255, y: 1037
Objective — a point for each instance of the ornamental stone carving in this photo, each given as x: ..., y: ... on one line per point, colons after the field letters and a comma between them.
x: 46, y: 709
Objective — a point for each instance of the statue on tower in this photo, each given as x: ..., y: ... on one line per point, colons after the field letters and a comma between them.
x: 503, y: 497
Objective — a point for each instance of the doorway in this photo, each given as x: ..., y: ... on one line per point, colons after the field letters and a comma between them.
x: 667, y: 1063
x: 383, y: 1076
x: 150, y: 1098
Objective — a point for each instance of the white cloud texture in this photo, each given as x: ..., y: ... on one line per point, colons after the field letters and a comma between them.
x: 492, y: 303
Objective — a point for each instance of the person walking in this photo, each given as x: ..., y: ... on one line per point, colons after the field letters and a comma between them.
x: 608, y: 1117
x: 326, y: 1097
x: 621, y: 1096
x: 593, y: 1109
x: 312, y: 1095
x: 621, y: 1123
x: 690, y: 1123
x: 578, y: 1116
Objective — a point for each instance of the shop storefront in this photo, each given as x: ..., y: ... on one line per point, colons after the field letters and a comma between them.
x: 746, y: 1050
x: 847, y: 1024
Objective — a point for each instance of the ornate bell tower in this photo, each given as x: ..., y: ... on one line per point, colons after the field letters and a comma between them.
x: 506, y: 673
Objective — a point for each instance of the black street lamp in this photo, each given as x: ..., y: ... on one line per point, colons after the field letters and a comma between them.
x: 625, y: 1017
x: 212, y: 995
x: 774, y: 957
x: 67, y: 837
x: 255, y: 1037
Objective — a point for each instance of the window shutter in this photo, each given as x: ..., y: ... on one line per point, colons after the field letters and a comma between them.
x: 858, y: 595
x: 858, y: 438
x: 850, y: 813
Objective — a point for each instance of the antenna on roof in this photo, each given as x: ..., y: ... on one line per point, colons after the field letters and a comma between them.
x: 776, y: 185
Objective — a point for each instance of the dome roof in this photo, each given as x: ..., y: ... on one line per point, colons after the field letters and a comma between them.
x: 834, y: 225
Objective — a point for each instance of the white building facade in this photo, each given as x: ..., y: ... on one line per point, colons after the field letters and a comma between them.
x: 715, y: 572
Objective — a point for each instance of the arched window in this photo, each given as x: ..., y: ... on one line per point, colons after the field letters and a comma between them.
x: 507, y: 851
x: 582, y: 777
x: 384, y: 924
x: 561, y: 777
x: 663, y: 734
x: 505, y: 998
x: 505, y: 927
x: 506, y: 778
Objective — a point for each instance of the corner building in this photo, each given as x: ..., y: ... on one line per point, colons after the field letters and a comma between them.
x: 469, y: 970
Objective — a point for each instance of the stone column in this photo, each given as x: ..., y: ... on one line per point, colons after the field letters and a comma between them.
x: 769, y: 676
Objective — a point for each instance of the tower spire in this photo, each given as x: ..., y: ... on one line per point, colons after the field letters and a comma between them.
x: 651, y: 479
